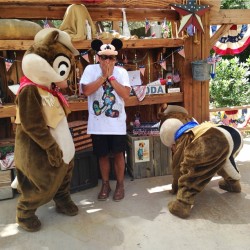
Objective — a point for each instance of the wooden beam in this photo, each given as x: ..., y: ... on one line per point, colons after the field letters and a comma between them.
x: 85, y: 44
x: 205, y: 54
x: 97, y: 14
x: 231, y: 16
x: 111, y: 10
x: 215, y: 4
x: 219, y: 33
x: 106, y: 3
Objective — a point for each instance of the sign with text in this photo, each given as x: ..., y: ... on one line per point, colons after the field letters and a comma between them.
x: 156, y: 90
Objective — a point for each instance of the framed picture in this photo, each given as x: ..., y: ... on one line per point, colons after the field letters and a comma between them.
x: 142, y: 151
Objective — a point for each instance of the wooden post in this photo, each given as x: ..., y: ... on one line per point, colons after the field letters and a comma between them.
x: 196, y: 93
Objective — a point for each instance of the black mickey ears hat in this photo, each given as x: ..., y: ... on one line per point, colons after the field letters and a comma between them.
x: 107, y: 49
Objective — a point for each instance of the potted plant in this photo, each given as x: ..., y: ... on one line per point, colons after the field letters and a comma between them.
x: 231, y: 86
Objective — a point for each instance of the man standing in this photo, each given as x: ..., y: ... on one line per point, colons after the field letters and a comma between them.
x: 107, y: 86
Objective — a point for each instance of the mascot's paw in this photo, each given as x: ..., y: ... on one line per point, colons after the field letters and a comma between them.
x: 173, y: 191
x: 32, y: 224
x: 70, y: 208
x: 230, y: 185
x: 179, y: 209
x: 55, y: 156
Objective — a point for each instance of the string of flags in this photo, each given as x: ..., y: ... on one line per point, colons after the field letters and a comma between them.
x: 142, y: 68
x: 85, y: 56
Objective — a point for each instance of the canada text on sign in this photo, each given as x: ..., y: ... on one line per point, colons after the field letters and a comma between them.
x: 155, y: 90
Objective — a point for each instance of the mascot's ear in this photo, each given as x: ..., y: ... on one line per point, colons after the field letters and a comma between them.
x: 117, y: 43
x: 96, y: 44
x: 51, y: 37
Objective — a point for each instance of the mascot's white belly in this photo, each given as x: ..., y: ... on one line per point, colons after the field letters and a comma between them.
x: 64, y: 139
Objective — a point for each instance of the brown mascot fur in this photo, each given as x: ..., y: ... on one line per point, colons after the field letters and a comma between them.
x: 199, y: 152
x: 44, y: 149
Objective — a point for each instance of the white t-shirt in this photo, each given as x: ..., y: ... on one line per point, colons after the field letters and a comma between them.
x: 106, y: 108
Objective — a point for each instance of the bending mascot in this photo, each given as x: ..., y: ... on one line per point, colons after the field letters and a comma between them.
x: 199, y: 152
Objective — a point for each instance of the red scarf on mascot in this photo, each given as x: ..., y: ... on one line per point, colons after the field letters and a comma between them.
x: 26, y: 82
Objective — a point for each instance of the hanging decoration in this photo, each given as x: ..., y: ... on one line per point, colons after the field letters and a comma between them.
x: 181, y: 51
x: 234, y: 41
x: 126, y: 31
x: 147, y: 25
x: 191, y: 29
x: 163, y: 64
x: 140, y: 92
x: 124, y: 58
x: 46, y: 24
x: 191, y: 13
x: 85, y: 56
x: 213, y: 60
x: 142, y: 69
x: 134, y: 62
x: 131, y: 63
x: 8, y: 63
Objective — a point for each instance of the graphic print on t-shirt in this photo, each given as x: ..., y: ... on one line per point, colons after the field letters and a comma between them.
x: 108, y: 101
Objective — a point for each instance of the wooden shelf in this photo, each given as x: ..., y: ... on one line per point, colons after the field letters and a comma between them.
x: 133, y: 101
x: 9, y: 110
x: 85, y: 44
x: 155, y: 99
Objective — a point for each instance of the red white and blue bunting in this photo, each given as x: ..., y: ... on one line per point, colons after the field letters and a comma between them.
x: 234, y: 41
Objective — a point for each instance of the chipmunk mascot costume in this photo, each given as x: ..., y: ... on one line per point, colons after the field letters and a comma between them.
x: 44, y: 149
x: 199, y: 152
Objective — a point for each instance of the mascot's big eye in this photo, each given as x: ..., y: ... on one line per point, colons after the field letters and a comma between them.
x: 62, y: 66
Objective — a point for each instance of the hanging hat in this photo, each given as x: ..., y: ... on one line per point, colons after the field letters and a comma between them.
x: 107, y: 49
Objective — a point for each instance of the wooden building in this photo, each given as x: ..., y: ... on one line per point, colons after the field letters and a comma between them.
x: 193, y: 95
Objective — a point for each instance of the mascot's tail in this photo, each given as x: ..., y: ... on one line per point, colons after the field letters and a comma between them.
x: 235, y: 141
